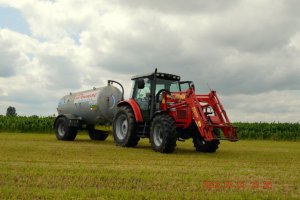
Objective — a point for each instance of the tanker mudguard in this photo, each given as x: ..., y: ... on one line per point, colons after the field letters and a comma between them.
x: 73, y: 121
x: 135, y: 107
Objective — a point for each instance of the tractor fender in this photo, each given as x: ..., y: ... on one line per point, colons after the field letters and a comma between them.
x: 135, y: 107
x: 73, y: 120
x: 159, y: 112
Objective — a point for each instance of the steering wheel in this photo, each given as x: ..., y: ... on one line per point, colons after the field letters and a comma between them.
x: 159, y: 92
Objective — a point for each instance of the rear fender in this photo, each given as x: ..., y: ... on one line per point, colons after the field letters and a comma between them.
x: 135, y: 107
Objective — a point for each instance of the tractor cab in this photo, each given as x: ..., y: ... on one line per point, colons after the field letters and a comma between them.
x: 148, y: 88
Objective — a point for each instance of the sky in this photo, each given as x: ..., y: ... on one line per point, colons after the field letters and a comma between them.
x: 246, y: 50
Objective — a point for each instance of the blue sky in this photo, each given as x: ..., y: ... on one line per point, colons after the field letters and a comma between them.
x: 248, y: 53
x: 12, y: 18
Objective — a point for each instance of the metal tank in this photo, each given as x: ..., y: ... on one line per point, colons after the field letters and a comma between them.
x: 96, y: 106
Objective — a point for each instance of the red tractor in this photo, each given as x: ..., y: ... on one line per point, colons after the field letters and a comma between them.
x: 164, y: 109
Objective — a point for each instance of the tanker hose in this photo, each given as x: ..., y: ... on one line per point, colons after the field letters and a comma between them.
x: 110, y: 82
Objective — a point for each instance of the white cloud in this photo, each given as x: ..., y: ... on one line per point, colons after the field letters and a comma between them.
x: 272, y: 106
x: 246, y: 50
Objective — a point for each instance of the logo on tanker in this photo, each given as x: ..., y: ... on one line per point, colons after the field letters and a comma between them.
x: 86, y: 97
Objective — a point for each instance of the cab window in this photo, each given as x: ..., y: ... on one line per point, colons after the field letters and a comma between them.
x: 169, y: 85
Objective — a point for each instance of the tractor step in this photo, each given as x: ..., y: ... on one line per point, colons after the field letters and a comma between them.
x: 143, y: 130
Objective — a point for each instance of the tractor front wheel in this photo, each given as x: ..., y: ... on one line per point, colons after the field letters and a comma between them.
x: 163, y: 134
x: 206, y: 146
x: 124, y: 128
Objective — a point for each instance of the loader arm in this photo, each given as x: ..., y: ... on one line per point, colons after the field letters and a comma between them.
x: 200, y: 119
x: 207, y: 123
x: 220, y: 119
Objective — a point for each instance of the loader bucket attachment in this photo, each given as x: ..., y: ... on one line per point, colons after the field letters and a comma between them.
x: 205, y: 123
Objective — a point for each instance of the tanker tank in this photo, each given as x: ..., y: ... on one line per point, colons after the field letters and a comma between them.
x: 96, y: 106
x: 86, y: 109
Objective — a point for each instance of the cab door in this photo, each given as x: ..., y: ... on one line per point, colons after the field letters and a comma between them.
x: 142, y: 96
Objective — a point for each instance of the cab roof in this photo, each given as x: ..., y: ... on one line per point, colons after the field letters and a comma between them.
x: 158, y: 75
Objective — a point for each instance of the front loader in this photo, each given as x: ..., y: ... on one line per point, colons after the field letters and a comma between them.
x: 164, y: 109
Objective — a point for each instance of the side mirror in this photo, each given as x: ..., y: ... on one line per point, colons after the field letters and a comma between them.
x: 140, y: 83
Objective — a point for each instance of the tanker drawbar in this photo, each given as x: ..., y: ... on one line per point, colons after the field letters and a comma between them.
x: 85, y: 109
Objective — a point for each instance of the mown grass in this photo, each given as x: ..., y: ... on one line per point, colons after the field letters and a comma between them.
x: 37, y: 166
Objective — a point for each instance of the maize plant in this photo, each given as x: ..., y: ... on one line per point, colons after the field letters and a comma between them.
x: 25, y: 124
x: 271, y: 131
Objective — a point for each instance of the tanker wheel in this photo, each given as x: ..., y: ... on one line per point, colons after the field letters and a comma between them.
x: 63, y: 131
x: 206, y: 146
x: 124, y: 128
x: 163, y: 134
x: 97, y: 134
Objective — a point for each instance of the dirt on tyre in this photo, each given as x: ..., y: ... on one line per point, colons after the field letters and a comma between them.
x: 163, y: 135
x: 206, y: 146
x: 63, y: 131
x: 124, y: 128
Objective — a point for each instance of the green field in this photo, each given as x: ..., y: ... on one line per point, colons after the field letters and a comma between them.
x: 37, y: 166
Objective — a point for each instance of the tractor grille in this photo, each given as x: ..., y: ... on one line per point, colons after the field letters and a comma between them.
x: 181, y: 114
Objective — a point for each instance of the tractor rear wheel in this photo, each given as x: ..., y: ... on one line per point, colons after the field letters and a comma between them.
x: 124, y: 128
x: 63, y: 131
x: 97, y: 134
x: 163, y: 134
x: 206, y: 146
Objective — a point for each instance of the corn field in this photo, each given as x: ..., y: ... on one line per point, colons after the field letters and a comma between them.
x: 260, y: 130
x: 271, y: 131
x: 26, y: 124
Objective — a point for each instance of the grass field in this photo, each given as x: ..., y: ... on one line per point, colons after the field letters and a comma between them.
x: 37, y: 166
